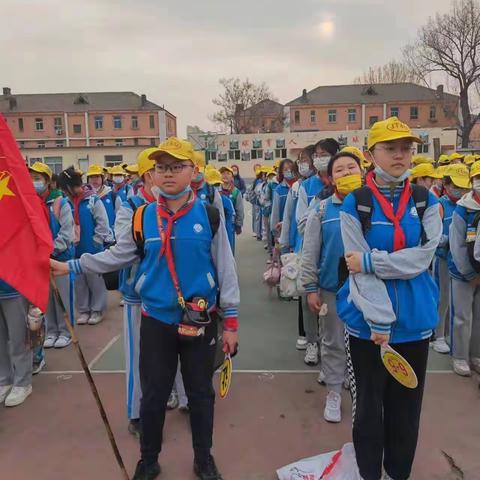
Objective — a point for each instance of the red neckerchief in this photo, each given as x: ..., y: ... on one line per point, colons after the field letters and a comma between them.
x: 452, y: 199
x: 291, y: 182
x: 436, y: 192
x: 149, y: 198
x: 324, y: 179
x: 196, y: 185
x: 476, y: 197
x: 387, y: 208
x: 87, y: 192
x: 44, y: 197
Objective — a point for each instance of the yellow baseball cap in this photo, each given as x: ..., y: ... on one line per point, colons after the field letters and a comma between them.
x: 179, y: 149
x: 475, y: 169
x: 424, y: 170
x: 469, y: 159
x: 441, y: 170
x: 117, y: 170
x: 443, y: 159
x: 388, y: 130
x: 144, y: 162
x: 359, y: 154
x: 213, y: 176
x: 40, y: 167
x: 459, y: 174
x: 456, y: 156
x: 199, y: 159
x: 226, y: 169
x: 271, y: 171
x: 419, y: 159
x: 133, y: 168
x: 95, y: 170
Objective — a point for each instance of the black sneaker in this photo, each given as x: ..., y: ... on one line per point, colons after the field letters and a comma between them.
x: 146, y: 472
x: 206, y: 469
x: 135, y: 427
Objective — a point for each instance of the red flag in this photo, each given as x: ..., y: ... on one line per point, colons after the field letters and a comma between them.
x: 25, y: 239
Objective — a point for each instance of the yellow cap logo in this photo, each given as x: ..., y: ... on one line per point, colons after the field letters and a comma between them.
x: 172, y: 144
x: 398, y: 126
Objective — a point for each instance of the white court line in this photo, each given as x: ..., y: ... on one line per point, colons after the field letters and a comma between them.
x: 102, y: 351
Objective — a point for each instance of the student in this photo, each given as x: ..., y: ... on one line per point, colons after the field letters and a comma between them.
x: 203, y: 262
x: 287, y: 176
x: 266, y: 201
x: 60, y: 219
x: 424, y: 175
x: 111, y: 201
x: 92, y: 233
x: 390, y: 233
x: 238, y: 180
x: 321, y: 254
x: 253, y: 196
x: 457, y: 184
x: 134, y: 177
x: 15, y: 356
x: 235, y: 196
x: 120, y: 185
x: 456, y: 157
x: 465, y: 273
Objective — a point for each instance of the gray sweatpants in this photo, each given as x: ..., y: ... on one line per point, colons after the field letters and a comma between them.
x: 333, y: 345
x: 466, y: 320
x: 54, y: 317
x: 441, y: 272
x: 257, y: 220
x: 91, y: 293
x: 132, y: 317
x: 312, y: 324
x: 15, y: 357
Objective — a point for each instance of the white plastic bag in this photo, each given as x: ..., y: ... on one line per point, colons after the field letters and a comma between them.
x: 290, y: 285
x: 338, y: 465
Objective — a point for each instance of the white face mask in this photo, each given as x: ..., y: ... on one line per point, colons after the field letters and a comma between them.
x: 321, y: 163
x: 476, y: 185
x: 117, y: 179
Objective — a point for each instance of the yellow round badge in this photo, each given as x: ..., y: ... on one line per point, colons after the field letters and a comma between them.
x: 398, y: 367
x: 226, y: 376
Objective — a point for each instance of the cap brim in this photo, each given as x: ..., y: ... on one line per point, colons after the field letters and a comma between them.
x: 398, y: 136
x: 461, y: 182
x: 159, y: 152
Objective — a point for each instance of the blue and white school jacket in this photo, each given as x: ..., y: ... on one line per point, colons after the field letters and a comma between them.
x: 448, y: 207
x: 394, y: 294
x: 60, y: 212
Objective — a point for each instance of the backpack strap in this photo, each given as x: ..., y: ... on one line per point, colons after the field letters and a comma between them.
x: 213, y: 218
x: 57, y: 207
x: 420, y: 198
x: 137, y: 228
x: 210, y: 194
x: 364, y: 201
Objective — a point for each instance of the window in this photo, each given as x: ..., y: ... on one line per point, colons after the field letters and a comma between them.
x: 117, y: 122
x: 373, y: 119
x: 433, y: 112
x: 100, y: 143
x: 297, y: 117
x: 394, y: 111
x: 222, y: 156
x: 33, y: 160
x: 280, y: 143
x: 269, y: 155
x: 20, y: 124
x: 153, y: 142
x: 210, y: 155
x: 39, y: 124
x: 57, y: 123
x: 256, y: 144
x: 41, y: 144
x: 313, y: 116
x: 151, y: 120
x: 134, y: 122
x: 281, y: 153
x: 77, y: 128
x: 332, y: 116
x: 59, y: 143
x: 423, y: 147
x: 245, y: 156
x: 352, y: 114
x: 413, y: 113
x: 98, y: 123
x: 119, y: 142
x: 256, y: 154
x: 112, y: 160
x: 135, y: 141
x: 55, y: 164
x: 233, y: 144
x: 234, y: 154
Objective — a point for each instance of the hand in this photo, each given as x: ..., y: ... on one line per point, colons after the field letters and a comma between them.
x: 354, y: 262
x: 230, y: 342
x: 278, y: 227
x: 475, y: 282
x: 59, y: 268
x: 238, y: 230
x: 380, y: 339
x: 314, y: 302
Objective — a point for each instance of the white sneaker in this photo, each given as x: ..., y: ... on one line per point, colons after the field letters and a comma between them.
x: 95, y: 318
x: 321, y: 378
x: 49, y: 341
x: 440, y: 345
x: 475, y: 361
x: 311, y: 355
x: 460, y: 367
x: 17, y: 396
x: 63, y: 341
x: 38, y: 367
x: 83, y: 319
x: 122, y: 302
x: 4, y: 391
x: 301, y: 343
x: 332, y: 412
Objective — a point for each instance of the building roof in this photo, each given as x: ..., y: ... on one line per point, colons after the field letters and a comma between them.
x: 264, y: 108
x: 75, y: 102
x: 364, y: 93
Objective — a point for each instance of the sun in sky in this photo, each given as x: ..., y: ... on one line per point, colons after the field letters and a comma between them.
x: 326, y: 28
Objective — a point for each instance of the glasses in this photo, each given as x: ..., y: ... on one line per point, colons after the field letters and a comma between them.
x: 175, y: 168
x: 391, y: 150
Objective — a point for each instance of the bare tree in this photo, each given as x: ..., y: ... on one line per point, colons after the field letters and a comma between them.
x: 237, y: 93
x: 391, y: 72
x: 450, y: 43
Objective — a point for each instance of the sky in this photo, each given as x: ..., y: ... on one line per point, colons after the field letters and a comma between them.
x: 175, y: 51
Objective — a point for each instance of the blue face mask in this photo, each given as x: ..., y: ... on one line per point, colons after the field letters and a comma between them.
x: 386, y: 177
x: 289, y: 175
x: 158, y: 192
x: 39, y: 186
x: 198, y: 178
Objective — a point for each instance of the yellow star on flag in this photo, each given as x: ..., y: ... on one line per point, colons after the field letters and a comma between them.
x: 4, y: 190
